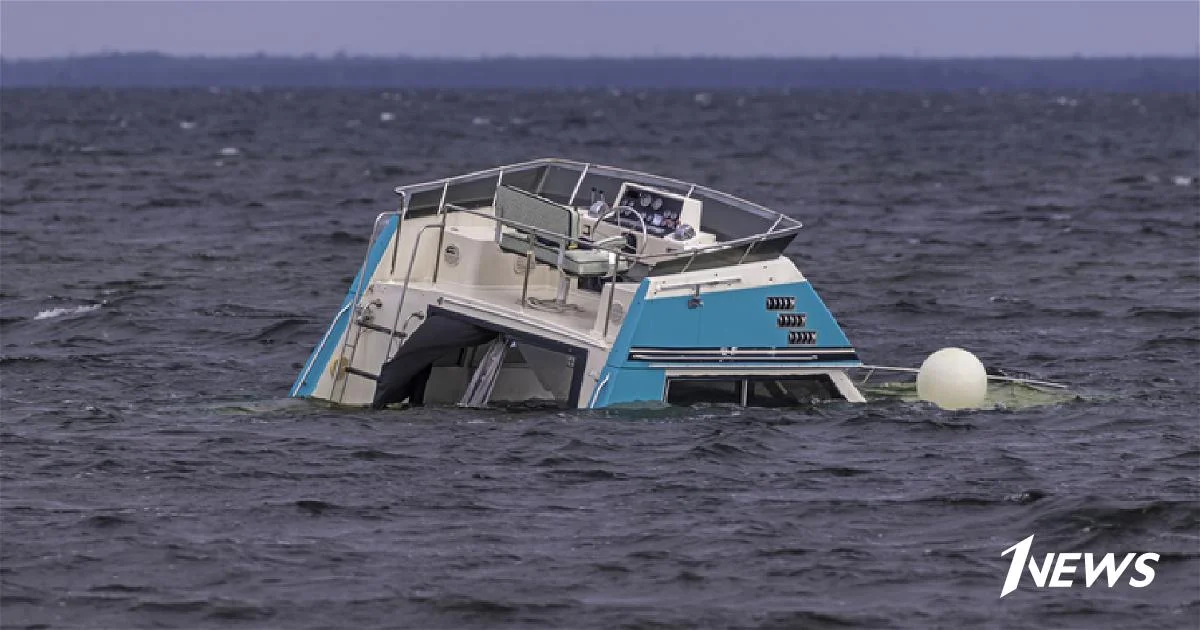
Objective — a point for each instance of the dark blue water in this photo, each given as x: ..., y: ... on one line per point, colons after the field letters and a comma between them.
x: 159, y: 295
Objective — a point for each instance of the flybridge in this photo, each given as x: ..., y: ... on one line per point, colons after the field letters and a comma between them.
x: 579, y: 285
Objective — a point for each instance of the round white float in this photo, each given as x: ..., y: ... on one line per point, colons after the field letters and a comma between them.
x: 952, y: 378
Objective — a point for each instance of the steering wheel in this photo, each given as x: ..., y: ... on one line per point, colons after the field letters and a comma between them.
x: 641, y: 246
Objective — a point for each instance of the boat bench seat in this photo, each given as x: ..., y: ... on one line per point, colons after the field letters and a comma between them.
x: 562, y: 221
x: 576, y: 262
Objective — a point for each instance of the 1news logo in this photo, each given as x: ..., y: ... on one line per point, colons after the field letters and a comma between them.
x: 1064, y: 566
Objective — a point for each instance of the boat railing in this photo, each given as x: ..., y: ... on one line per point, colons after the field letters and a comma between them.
x: 750, y: 241
x: 412, y: 262
x: 585, y: 170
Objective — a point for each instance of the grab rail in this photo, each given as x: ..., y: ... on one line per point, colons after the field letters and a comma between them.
x: 359, y: 288
x: 600, y: 169
x: 404, y: 199
x: 412, y: 262
x: 756, y: 238
x: 437, y: 261
x: 750, y: 247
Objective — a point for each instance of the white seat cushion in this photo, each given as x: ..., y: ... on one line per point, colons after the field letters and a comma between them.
x: 577, y: 262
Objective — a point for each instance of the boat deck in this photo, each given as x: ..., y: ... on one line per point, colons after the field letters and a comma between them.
x: 577, y: 318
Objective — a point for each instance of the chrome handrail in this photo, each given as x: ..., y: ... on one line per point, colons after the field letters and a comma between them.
x: 358, y: 291
x: 412, y: 262
x: 437, y: 260
x: 404, y: 199
x: 615, y: 171
x: 750, y: 247
x: 754, y: 238
x: 632, y: 257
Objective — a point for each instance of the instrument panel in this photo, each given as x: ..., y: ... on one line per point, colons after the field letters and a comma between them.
x: 662, y: 213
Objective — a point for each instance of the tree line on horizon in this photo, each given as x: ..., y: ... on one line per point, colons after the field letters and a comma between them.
x: 1134, y: 74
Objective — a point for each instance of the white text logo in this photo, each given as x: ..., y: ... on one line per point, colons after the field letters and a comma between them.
x: 1058, y: 570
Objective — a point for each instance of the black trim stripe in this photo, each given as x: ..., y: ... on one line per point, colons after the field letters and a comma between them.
x: 742, y: 355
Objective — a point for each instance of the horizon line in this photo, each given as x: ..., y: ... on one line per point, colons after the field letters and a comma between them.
x: 340, y: 56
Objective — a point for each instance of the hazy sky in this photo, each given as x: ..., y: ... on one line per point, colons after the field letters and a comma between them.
x: 621, y: 29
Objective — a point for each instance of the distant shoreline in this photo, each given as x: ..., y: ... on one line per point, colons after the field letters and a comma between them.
x: 1125, y: 74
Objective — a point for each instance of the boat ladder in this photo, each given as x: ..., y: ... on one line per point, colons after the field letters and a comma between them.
x: 483, y: 381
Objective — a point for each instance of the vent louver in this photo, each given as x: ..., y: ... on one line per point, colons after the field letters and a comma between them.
x: 792, y: 320
x: 781, y: 303
x: 802, y: 337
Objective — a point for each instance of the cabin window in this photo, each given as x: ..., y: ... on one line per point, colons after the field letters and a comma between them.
x: 690, y: 391
x: 785, y: 392
x: 755, y: 391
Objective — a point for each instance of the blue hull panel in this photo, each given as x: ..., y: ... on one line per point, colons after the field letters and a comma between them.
x: 736, y: 321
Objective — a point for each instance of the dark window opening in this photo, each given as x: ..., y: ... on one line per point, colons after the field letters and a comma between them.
x: 753, y: 391
x: 693, y: 391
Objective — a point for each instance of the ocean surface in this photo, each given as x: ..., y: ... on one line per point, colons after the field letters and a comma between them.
x: 168, y: 259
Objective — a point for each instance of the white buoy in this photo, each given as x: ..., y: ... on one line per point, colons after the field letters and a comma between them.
x: 952, y: 378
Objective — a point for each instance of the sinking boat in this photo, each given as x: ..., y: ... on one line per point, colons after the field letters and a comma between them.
x: 582, y: 286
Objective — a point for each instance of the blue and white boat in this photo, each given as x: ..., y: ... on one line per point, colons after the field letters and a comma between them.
x: 579, y: 285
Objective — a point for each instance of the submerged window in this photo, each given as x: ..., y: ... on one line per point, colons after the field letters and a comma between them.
x: 753, y: 391
x: 687, y: 391
x: 785, y: 392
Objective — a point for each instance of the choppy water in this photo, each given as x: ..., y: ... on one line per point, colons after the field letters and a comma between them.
x: 169, y: 259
